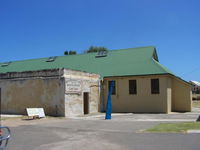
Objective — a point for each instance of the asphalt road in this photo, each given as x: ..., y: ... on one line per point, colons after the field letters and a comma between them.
x: 75, y: 134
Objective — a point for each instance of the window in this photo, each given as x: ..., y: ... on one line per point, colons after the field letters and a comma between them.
x: 114, y: 87
x: 155, y: 86
x: 132, y: 87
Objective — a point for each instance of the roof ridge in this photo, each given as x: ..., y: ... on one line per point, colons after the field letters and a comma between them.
x: 133, y: 48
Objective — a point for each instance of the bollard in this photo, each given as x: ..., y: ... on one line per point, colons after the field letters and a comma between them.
x: 109, y: 102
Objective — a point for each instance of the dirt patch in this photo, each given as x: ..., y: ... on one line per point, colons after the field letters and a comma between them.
x: 14, y: 122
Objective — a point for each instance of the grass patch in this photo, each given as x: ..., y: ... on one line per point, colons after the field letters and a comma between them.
x: 175, y: 127
x: 196, y: 103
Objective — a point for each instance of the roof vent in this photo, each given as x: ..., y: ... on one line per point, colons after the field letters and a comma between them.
x: 50, y: 59
x: 6, y: 64
x: 101, y: 54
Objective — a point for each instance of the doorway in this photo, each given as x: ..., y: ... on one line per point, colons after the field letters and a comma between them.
x: 86, y: 103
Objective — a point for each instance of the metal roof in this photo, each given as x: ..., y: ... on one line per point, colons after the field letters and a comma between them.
x: 123, y: 62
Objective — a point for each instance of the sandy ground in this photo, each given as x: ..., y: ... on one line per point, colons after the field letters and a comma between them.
x: 14, y: 122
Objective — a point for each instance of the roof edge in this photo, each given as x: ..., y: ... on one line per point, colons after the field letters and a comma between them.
x: 151, y: 75
x: 179, y: 78
x: 138, y: 75
x: 163, y: 67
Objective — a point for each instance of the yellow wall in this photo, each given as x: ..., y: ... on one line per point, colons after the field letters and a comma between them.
x: 143, y: 101
x: 175, y: 95
x: 181, y: 96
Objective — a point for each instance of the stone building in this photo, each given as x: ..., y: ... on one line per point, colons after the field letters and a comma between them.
x: 142, y: 84
x: 61, y: 92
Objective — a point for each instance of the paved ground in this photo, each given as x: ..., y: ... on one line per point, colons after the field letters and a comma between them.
x: 145, y: 117
x: 95, y: 133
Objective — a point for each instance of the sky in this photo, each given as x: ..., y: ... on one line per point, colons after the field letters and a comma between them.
x: 42, y: 28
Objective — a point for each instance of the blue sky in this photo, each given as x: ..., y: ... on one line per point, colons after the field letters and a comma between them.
x: 42, y: 28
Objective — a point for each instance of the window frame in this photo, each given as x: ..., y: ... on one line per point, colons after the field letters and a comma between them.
x: 133, y: 87
x: 155, y: 86
x: 114, y: 87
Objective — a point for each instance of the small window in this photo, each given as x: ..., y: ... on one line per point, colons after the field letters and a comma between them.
x: 114, y: 87
x: 155, y: 86
x: 132, y: 87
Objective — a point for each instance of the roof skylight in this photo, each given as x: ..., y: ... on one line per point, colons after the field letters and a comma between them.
x: 5, y: 64
x: 51, y: 59
x: 102, y: 54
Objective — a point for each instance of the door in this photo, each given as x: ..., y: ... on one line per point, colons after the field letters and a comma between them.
x: 86, y: 103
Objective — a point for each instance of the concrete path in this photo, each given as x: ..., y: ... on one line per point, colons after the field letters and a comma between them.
x: 173, y: 117
x: 193, y: 131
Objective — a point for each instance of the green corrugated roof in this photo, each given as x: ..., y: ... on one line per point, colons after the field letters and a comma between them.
x: 123, y: 62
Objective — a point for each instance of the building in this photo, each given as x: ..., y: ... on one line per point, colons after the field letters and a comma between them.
x: 195, y: 87
x: 61, y: 92
x: 195, y: 90
x: 142, y: 84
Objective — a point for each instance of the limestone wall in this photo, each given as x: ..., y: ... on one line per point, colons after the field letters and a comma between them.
x: 33, y: 90
x: 48, y: 89
x: 74, y: 100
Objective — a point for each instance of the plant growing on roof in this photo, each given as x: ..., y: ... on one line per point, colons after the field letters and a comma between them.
x: 70, y: 52
x: 93, y: 49
x: 66, y: 53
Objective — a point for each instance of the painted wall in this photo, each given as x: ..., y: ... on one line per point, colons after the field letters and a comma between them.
x: 175, y: 95
x: 143, y: 101
x: 74, y: 101
x: 32, y: 90
x: 181, y: 96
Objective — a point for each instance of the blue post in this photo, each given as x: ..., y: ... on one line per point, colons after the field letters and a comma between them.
x: 109, y: 102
